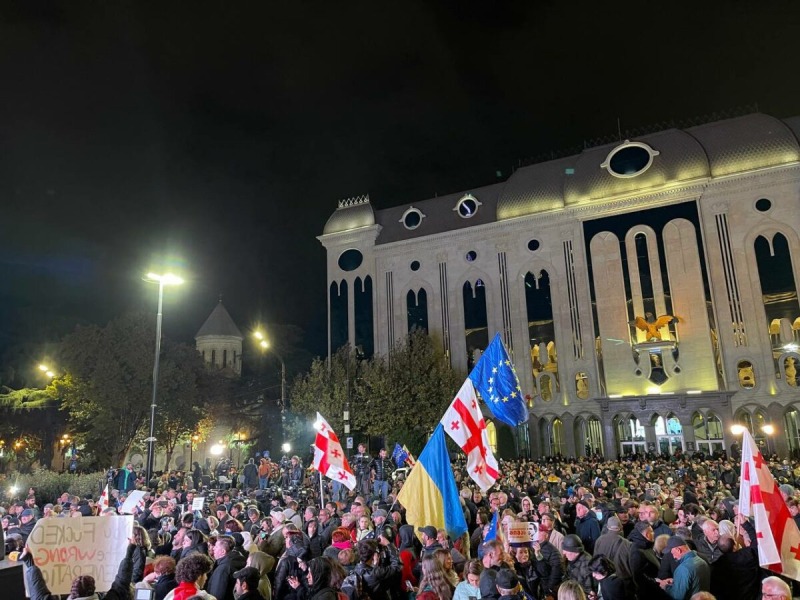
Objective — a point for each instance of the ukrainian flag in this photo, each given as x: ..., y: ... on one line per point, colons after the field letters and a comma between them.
x: 429, y: 495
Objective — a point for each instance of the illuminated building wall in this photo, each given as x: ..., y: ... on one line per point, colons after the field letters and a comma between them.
x: 700, y: 224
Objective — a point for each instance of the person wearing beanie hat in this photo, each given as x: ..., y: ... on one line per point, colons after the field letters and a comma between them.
x: 508, y: 584
x: 577, y: 566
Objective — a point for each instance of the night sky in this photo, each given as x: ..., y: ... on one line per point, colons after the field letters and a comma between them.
x: 217, y: 137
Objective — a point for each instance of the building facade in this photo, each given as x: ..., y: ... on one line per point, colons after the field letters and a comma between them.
x: 646, y: 289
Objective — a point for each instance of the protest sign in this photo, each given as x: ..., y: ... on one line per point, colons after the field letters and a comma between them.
x: 134, y: 499
x: 66, y: 548
x: 197, y: 503
x: 521, y: 533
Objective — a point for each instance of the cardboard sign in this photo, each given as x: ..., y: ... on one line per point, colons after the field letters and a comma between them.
x: 522, y: 533
x: 134, y: 499
x: 198, y: 503
x: 66, y: 548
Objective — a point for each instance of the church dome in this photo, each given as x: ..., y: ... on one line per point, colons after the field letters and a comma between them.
x: 534, y: 189
x: 219, y: 324
x: 350, y: 214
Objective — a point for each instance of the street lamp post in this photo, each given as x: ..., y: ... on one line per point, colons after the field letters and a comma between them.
x: 161, y: 280
x: 264, y: 344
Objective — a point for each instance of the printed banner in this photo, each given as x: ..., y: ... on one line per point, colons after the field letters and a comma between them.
x: 66, y: 548
x: 521, y: 533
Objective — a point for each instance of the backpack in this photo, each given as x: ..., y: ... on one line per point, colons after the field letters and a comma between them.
x: 353, y: 586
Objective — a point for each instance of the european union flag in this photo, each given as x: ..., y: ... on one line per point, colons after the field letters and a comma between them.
x: 491, y: 533
x: 399, y: 455
x: 497, y: 383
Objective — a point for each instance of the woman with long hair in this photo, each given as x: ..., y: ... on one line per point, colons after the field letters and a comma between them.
x: 434, y: 579
x: 445, y: 559
x: 141, y: 540
x: 319, y: 580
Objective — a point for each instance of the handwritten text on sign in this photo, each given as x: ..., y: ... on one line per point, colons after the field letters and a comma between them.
x: 66, y: 548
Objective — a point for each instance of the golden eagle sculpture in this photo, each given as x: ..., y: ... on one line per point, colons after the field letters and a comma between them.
x: 651, y: 326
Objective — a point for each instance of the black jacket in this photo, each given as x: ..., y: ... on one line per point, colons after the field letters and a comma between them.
x: 287, y: 567
x: 164, y: 585
x: 120, y: 589
x: 378, y: 579
x: 550, y: 568
x: 613, y: 588
x: 220, y: 582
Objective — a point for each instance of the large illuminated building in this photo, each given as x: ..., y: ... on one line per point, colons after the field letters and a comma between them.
x: 647, y: 289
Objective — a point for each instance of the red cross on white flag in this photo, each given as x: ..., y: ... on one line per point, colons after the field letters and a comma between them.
x: 759, y: 497
x: 464, y: 423
x: 102, y: 503
x: 329, y: 458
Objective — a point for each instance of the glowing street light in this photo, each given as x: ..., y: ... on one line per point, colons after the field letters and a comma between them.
x: 264, y: 344
x: 737, y: 429
x: 161, y: 280
x: 286, y: 447
x: 768, y: 429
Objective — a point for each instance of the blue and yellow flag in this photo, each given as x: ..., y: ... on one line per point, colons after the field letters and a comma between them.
x: 429, y: 495
x: 497, y: 383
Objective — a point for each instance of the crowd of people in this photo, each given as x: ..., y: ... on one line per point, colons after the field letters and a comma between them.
x: 639, y: 527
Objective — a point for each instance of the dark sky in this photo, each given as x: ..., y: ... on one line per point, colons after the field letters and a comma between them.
x: 218, y: 136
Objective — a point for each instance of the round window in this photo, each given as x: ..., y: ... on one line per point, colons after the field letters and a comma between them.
x: 412, y: 218
x: 350, y: 260
x: 629, y: 159
x: 471, y: 255
x: 415, y: 265
x: 763, y: 204
x: 533, y: 245
x: 467, y: 206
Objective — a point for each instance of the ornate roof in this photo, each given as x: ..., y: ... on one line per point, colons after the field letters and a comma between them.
x: 676, y: 156
x: 351, y: 214
x: 219, y: 324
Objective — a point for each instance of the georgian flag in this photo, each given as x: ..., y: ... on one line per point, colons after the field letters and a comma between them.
x: 329, y: 458
x: 102, y: 503
x: 759, y: 497
x: 464, y: 423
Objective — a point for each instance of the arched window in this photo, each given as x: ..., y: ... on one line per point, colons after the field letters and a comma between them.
x: 417, y: 309
x: 630, y: 435
x: 792, y: 422
x: 558, y: 444
x: 476, y: 321
x: 491, y: 433
x: 708, y: 433
x: 338, y: 302
x: 589, y: 436
x: 669, y: 435
x: 362, y: 307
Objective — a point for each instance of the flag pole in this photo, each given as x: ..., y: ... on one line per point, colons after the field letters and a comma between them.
x: 321, y: 492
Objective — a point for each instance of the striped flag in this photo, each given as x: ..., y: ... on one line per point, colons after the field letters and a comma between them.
x: 329, y: 458
x: 429, y: 495
x: 759, y: 497
x: 464, y: 423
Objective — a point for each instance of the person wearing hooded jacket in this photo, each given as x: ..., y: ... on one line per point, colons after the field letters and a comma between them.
x: 83, y: 585
x: 264, y: 563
